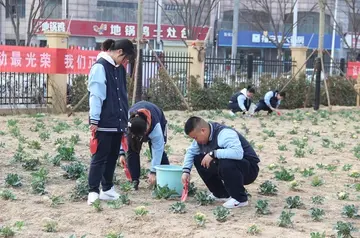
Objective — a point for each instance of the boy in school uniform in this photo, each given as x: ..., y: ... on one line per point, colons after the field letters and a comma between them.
x: 270, y: 102
x: 241, y: 101
x: 224, y: 160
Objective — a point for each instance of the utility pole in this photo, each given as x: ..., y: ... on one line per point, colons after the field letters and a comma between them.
x: 158, y: 22
x: 137, y: 92
x: 234, y: 36
x: 295, y: 19
x: 333, y: 39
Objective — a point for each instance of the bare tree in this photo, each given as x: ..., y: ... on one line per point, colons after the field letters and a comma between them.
x: 351, y: 9
x: 272, y: 15
x: 194, y: 14
x: 40, y: 11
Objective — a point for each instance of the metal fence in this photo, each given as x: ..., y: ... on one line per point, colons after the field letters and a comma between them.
x: 244, y: 70
x: 23, y: 89
x: 177, y: 65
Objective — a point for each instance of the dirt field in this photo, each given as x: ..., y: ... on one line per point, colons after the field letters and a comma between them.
x: 320, y: 152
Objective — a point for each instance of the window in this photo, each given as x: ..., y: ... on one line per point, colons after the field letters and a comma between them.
x: 15, y: 7
x: 116, y: 11
x: 52, y: 9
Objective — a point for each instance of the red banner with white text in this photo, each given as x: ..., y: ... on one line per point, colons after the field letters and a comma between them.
x: 353, y: 70
x: 20, y: 59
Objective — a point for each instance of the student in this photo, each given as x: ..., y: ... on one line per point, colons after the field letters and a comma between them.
x: 271, y: 102
x: 147, y: 123
x: 241, y: 101
x: 223, y: 158
x: 105, y: 46
x: 108, y: 116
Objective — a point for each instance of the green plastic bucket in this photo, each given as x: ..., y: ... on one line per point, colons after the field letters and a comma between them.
x: 169, y: 175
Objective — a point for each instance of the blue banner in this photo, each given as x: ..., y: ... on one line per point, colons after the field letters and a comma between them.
x: 253, y: 39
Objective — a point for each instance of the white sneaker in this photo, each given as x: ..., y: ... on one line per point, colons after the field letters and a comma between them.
x: 218, y: 199
x: 109, y: 195
x: 92, y: 197
x: 232, y: 203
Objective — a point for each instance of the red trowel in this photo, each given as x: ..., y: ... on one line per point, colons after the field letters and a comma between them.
x: 185, y: 192
x: 125, y: 147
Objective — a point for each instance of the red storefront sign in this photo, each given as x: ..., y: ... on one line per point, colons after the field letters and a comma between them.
x: 116, y: 29
x: 353, y: 70
x: 20, y: 59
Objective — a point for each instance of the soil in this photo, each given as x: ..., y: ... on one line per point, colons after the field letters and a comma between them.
x: 77, y: 218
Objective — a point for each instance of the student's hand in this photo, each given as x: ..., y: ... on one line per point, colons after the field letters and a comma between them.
x: 206, y: 161
x: 122, y: 160
x: 278, y: 112
x: 93, y: 128
x: 151, y: 178
x: 185, y: 178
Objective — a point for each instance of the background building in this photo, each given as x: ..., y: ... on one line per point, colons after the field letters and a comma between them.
x: 92, y: 21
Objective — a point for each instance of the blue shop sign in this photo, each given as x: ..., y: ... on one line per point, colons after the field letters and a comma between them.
x: 253, y: 39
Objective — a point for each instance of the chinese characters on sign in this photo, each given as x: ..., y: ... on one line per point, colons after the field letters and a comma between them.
x: 353, y: 69
x: 46, y: 60
x: 108, y: 29
x: 260, y: 38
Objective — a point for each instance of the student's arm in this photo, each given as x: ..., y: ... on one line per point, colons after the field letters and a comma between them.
x: 278, y: 103
x: 97, y: 89
x: 157, y: 146
x: 191, y: 152
x: 229, y: 140
x: 241, y: 99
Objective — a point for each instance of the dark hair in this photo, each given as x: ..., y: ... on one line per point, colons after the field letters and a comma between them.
x: 105, y: 46
x: 283, y: 94
x: 138, y: 124
x: 124, y: 44
x: 191, y: 124
x: 250, y: 89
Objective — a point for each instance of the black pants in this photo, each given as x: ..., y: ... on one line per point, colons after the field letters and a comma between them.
x: 133, y: 162
x: 234, y: 106
x: 261, y: 105
x: 103, y: 162
x: 227, y: 177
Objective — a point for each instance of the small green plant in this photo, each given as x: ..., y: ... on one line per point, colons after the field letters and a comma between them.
x: 30, y: 164
x: 221, y: 213
x: 317, y: 214
x: 50, y: 226
x: 343, y: 195
x: 347, y: 167
x: 284, y: 175
x: 56, y: 201
x: 294, y: 202
x: 294, y: 185
x: 262, y: 207
x: 203, y: 198
x: 299, y: 153
x: 60, y: 127
x: 350, y: 211
x: 74, y: 170
x: 97, y: 205
x: 13, y: 180
x: 34, y: 145
x: 316, y: 181
x: 317, y: 235
x: 81, y: 189
x: 114, y: 235
x: 308, y: 172
x: 253, y: 230
x: 282, y: 159
x: 326, y: 143
x: 38, y: 180
x: 163, y: 192
x: 318, y: 200
x: 19, y: 224
x: 6, y: 232
x: 269, y: 133
x: 200, y: 219
x: 268, y: 188
x: 141, y: 211
x: 7, y: 195
x: 178, y: 207
x: 126, y: 187
x: 74, y: 139
x: 285, y: 219
x: 77, y: 121
x: 344, y: 229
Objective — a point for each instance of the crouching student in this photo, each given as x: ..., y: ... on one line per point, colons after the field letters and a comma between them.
x: 270, y: 102
x: 241, y: 101
x: 147, y: 123
x: 224, y: 160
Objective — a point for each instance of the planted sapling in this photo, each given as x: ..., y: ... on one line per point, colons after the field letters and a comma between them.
x: 317, y: 214
x: 317, y: 235
x: 285, y: 219
x: 97, y: 205
x: 203, y: 198
x: 294, y: 185
x: 50, y: 226
x: 6, y: 231
x: 344, y: 229
x: 13, y: 180
x: 74, y: 170
x: 343, y: 195
x: 141, y: 211
x: 351, y: 211
x: 200, y: 219
x: 114, y: 235
x: 178, y: 207
x: 284, y: 175
x: 163, y: 192
x: 319, y: 200
x: 7, y: 195
x: 253, y: 230
x: 221, y: 213
x: 262, y: 207
x: 268, y: 188
x: 316, y: 181
x: 294, y: 202
x: 126, y: 187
